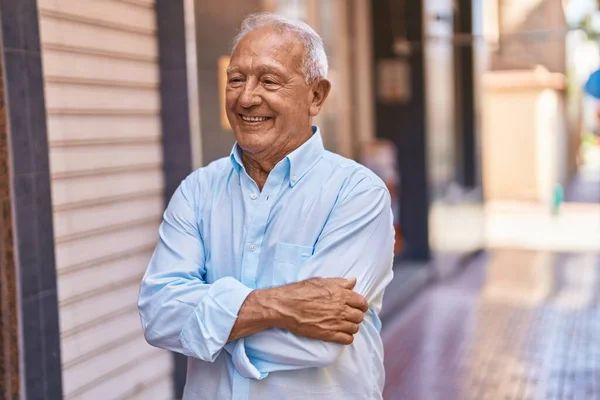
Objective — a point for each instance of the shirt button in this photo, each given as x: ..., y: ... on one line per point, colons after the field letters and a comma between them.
x: 294, y: 178
x: 253, y: 196
x: 252, y: 247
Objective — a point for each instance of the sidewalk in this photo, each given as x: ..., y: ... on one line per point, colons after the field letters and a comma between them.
x: 530, y: 226
x: 513, y: 325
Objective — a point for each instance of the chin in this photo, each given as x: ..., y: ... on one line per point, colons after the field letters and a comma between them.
x: 252, y: 143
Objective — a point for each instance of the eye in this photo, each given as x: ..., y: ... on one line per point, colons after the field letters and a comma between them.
x: 235, y: 81
x: 270, y: 84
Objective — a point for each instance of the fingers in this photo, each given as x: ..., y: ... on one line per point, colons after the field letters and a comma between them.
x: 357, y: 301
x: 341, y: 338
x: 342, y: 333
x: 348, y: 327
x: 353, y: 299
x: 349, y: 284
x: 354, y: 315
x: 343, y: 282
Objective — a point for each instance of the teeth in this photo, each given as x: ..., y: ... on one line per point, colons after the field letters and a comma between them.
x: 254, y: 119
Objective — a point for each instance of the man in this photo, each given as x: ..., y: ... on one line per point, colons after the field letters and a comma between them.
x: 272, y: 263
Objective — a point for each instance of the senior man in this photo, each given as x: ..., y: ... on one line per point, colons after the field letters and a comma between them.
x: 272, y: 263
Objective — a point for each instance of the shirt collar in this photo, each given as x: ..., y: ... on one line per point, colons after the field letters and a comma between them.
x: 300, y: 161
x: 236, y: 157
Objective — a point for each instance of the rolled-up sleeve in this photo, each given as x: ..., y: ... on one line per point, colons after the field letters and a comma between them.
x: 357, y: 241
x: 179, y: 310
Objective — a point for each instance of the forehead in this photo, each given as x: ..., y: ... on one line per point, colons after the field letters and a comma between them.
x: 269, y: 47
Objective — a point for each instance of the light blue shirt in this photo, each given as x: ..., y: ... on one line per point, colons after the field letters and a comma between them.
x: 318, y: 215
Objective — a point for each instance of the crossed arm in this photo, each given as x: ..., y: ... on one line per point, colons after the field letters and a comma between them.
x: 300, y: 325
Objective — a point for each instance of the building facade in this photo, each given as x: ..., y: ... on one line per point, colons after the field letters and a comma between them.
x: 108, y: 105
x: 84, y: 167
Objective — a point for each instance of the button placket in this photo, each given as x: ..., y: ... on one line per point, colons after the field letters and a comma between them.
x: 252, y: 242
x: 257, y: 228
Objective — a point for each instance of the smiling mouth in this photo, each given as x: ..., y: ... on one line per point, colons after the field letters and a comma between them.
x: 247, y: 118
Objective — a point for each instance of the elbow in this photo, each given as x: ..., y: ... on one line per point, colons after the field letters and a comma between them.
x: 170, y: 328
x: 152, y: 337
x: 165, y: 340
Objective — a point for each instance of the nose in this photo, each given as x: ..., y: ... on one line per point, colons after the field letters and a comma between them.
x: 249, y: 96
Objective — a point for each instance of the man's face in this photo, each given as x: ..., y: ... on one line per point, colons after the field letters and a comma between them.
x: 269, y: 104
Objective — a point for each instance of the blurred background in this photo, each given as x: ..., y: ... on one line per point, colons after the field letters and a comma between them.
x: 482, y: 116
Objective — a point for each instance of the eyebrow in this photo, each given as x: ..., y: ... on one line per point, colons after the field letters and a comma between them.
x: 268, y: 68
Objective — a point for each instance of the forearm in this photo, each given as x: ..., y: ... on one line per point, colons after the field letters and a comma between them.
x: 295, y: 326
x: 192, y: 318
x: 258, y: 313
x: 268, y: 339
x: 282, y: 350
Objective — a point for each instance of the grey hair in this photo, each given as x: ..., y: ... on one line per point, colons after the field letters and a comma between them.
x: 315, y: 60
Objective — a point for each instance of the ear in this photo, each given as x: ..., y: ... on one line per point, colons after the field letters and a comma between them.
x: 319, y: 91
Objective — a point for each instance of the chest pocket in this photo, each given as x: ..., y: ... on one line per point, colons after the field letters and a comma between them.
x: 287, y: 260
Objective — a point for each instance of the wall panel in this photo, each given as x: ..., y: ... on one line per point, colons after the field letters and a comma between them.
x: 101, y: 74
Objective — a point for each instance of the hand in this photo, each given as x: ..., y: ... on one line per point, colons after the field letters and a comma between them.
x: 320, y: 308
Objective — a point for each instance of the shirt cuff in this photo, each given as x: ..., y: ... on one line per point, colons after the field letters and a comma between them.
x: 208, y: 328
x: 243, y: 364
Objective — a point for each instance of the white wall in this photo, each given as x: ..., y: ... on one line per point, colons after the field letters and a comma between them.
x: 523, y: 135
x: 101, y: 77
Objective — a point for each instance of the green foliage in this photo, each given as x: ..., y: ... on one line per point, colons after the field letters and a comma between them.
x: 587, y: 140
x: 586, y: 24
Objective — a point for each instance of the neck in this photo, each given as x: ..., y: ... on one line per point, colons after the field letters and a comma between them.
x: 258, y: 169
x: 259, y: 165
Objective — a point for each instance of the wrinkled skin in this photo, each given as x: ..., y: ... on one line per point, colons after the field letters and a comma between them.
x: 270, y: 107
x: 265, y: 80
x: 318, y: 308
